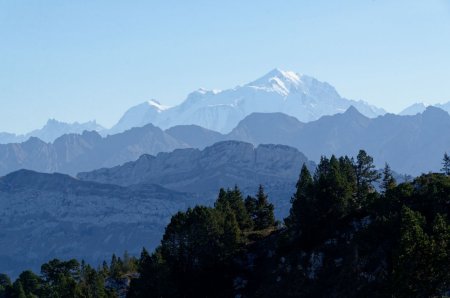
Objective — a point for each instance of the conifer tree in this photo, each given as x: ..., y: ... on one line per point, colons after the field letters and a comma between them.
x: 18, y: 291
x: 251, y: 204
x: 365, y: 175
x: 300, y: 208
x: 388, y: 182
x: 446, y: 164
x: 30, y: 282
x: 264, y: 211
x: 234, y: 200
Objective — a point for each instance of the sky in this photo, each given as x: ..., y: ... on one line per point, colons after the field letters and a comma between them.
x: 85, y: 60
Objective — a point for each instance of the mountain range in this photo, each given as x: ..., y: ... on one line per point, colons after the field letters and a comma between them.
x: 52, y: 130
x: 224, y: 164
x: 410, y: 144
x: 43, y: 216
x: 73, y: 153
x: 301, y: 96
x: 287, y: 92
x: 420, y: 107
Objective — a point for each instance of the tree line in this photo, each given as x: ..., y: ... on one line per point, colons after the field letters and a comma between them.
x: 350, y: 232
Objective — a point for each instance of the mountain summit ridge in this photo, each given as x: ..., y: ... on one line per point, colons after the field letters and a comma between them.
x: 297, y: 95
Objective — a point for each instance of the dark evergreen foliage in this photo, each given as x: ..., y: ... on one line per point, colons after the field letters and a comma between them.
x: 446, y: 164
x: 341, y: 239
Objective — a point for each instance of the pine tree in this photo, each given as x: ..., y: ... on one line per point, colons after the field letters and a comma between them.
x: 251, y: 204
x: 365, y: 175
x: 233, y: 199
x: 388, y: 182
x: 18, y: 291
x: 446, y: 164
x: 31, y: 282
x: 114, y: 267
x: 265, y: 217
x: 300, y: 208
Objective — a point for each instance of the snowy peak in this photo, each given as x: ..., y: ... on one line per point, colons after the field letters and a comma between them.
x: 278, y: 80
x: 157, y: 105
x: 278, y: 91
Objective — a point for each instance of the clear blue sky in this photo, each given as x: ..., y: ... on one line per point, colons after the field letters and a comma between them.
x: 82, y: 60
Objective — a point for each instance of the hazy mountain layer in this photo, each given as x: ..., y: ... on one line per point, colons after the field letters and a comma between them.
x: 420, y: 107
x: 43, y: 216
x: 224, y: 164
x: 410, y: 144
x: 51, y: 131
x: 74, y: 152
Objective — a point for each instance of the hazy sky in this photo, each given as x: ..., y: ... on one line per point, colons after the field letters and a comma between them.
x: 82, y: 60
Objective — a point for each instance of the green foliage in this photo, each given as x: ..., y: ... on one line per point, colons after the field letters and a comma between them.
x: 233, y: 199
x: 5, y: 284
x: 446, y: 164
x: 260, y: 210
x: 388, y: 183
x: 31, y: 283
x: 341, y: 239
x: 366, y: 174
x: 302, y: 209
x: 17, y: 290
x: 421, y: 266
x: 60, y: 278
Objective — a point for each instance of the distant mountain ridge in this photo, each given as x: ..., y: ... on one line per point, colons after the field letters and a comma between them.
x: 52, y: 130
x: 73, y: 153
x: 410, y: 144
x: 287, y: 92
x: 46, y: 216
x: 420, y: 107
x: 223, y: 164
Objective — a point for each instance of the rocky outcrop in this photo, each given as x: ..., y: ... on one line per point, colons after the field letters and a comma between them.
x: 224, y: 164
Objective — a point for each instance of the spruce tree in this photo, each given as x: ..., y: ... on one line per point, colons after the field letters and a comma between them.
x: 265, y: 217
x: 365, y: 175
x: 301, y: 205
x: 18, y: 291
x: 251, y: 204
x: 446, y: 164
x: 233, y: 199
x: 388, y: 182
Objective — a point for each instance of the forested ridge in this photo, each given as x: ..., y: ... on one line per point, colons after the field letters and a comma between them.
x: 342, y: 238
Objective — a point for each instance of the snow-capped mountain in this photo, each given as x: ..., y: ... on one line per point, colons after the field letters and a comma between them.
x: 297, y: 95
x: 139, y: 115
x: 420, y: 107
x: 52, y: 130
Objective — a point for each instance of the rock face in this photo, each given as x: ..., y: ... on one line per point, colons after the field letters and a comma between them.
x: 73, y: 153
x: 287, y: 92
x: 43, y: 216
x: 224, y: 164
